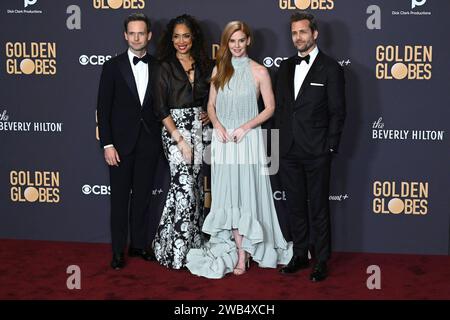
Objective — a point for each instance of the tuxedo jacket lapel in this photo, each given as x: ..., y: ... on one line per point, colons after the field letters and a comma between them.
x: 290, y: 75
x: 316, y: 67
x: 151, y: 64
x: 125, y: 69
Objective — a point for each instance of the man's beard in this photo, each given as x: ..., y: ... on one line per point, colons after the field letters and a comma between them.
x: 308, y: 46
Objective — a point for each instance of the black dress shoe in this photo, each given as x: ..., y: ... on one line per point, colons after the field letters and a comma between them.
x: 297, y: 263
x: 147, y: 255
x: 320, y: 272
x: 118, y: 261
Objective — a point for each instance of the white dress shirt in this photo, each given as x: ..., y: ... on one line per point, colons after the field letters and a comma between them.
x: 140, y: 72
x: 301, y: 70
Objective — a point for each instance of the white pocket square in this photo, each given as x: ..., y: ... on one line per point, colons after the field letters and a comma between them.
x: 317, y: 84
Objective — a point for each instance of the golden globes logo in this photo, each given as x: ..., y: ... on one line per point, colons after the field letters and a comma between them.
x: 37, y: 186
x: 118, y: 4
x: 404, y: 62
x: 400, y: 197
x: 31, y: 58
x: 306, y: 4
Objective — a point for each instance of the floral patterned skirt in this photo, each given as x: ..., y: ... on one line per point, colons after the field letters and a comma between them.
x: 180, y: 227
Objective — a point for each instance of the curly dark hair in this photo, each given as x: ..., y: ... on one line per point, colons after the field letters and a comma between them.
x: 166, y: 49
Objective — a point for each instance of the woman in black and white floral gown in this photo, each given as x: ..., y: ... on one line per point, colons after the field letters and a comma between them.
x: 181, y: 94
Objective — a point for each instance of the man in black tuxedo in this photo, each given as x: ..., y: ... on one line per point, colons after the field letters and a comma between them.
x: 131, y: 138
x: 310, y: 115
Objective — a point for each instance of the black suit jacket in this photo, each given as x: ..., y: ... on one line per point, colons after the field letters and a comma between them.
x: 315, y: 119
x: 119, y: 111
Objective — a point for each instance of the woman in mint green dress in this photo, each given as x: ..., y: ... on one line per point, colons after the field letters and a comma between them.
x: 242, y: 222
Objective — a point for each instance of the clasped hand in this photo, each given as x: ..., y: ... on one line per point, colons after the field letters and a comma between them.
x: 236, y: 136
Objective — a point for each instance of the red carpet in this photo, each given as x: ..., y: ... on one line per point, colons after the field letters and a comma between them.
x: 37, y: 270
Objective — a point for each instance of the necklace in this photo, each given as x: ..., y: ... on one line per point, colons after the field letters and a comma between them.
x: 190, y: 70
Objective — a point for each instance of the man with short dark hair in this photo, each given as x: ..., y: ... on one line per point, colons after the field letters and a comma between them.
x: 131, y: 138
x: 310, y: 113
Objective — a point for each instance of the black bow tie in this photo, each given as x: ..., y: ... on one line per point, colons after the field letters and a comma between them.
x: 144, y: 59
x: 299, y: 59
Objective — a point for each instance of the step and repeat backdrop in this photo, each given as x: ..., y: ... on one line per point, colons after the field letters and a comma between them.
x: 390, y: 181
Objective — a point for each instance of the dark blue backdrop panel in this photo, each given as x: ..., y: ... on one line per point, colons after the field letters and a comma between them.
x: 389, y: 189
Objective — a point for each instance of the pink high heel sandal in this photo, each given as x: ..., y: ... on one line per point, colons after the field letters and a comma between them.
x: 240, y: 271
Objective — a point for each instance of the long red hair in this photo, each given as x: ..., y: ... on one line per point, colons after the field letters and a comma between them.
x: 225, y: 69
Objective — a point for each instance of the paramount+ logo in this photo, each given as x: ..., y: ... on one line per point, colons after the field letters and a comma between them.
x: 31, y: 58
x: 391, y: 197
x: 306, y: 4
x: 35, y: 186
x: 408, y: 62
x: 118, y: 4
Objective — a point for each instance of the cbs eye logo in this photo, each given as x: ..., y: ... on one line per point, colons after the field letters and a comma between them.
x: 86, y: 189
x: 269, y: 62
x: 94, y: 60
x: 96, y: 190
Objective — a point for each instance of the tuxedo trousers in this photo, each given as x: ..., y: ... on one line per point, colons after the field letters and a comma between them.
x: 131, y: 186
x: 306, y: 181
